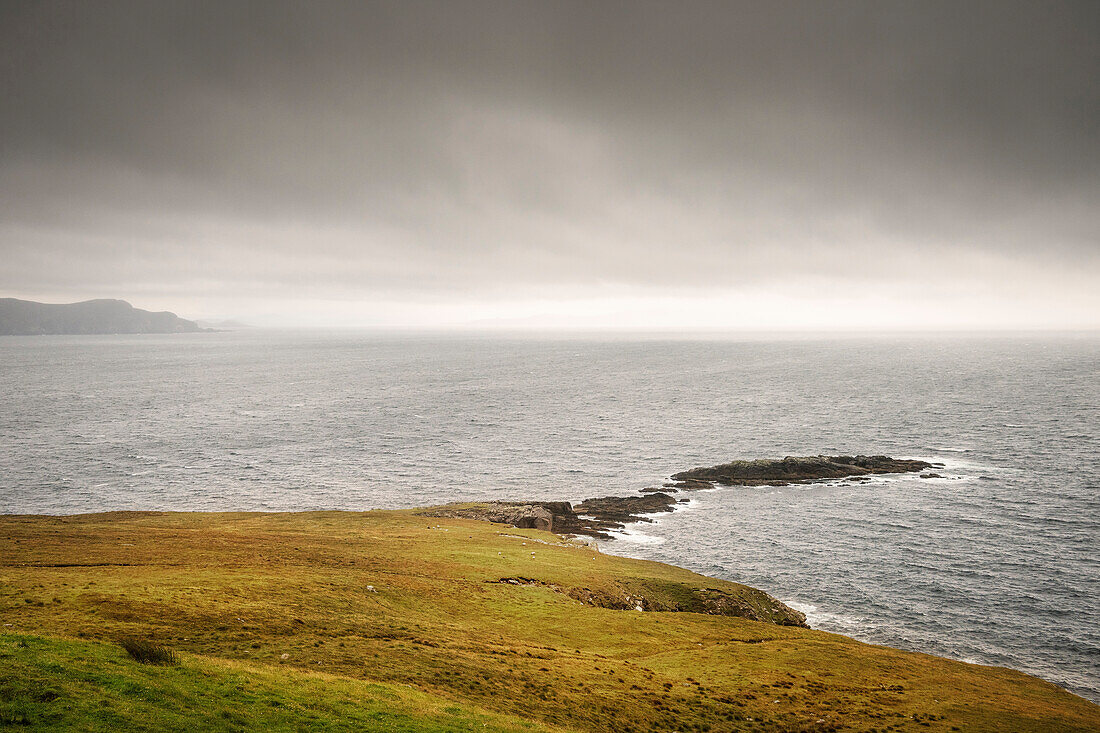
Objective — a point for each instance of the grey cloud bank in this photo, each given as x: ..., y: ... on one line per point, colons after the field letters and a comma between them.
x: 725, y: 165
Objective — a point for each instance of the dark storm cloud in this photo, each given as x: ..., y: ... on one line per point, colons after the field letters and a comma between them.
x: 424, y: 148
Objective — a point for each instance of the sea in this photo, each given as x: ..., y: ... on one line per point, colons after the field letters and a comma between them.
x: 997, y: 562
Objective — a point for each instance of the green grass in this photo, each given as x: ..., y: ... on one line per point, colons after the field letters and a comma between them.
x: 290, y: 595
x: 50, y: 684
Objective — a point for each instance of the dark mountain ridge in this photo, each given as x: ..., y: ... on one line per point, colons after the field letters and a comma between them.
x: 29, y: 318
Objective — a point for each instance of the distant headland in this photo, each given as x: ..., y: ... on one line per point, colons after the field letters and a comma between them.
x: 29, y: 318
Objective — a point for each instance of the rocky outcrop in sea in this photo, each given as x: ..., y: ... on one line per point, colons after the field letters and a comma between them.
x: 793, y: 470
x: 598, y: 517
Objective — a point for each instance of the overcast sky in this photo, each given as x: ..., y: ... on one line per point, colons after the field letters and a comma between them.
x: 755, y: 165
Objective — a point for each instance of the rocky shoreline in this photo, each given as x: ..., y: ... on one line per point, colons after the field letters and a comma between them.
x: 598, y: 517
x: 591, y: 517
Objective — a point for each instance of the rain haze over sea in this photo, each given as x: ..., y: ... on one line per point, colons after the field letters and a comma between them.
x: 994, y: 563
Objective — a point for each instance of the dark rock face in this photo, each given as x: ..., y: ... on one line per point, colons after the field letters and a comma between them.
x: 592, y: 517
x: 28, y: 318
x: 615, y: 511
x: 518, y: 514
x: 791, y: 470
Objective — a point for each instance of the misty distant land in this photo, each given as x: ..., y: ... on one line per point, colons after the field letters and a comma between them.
x: 103, y: 316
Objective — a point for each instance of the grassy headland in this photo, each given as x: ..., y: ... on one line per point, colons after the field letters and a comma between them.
x: 396, y: 621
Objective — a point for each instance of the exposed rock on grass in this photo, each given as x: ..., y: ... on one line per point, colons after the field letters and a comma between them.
x: 755, y: 605
x: 641, y: 595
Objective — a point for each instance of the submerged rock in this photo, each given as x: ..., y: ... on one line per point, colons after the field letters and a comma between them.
x: 689, y: 484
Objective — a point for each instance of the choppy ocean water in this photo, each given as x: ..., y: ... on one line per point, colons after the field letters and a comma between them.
x: 997, y: 563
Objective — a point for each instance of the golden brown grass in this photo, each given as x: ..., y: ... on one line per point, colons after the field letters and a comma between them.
x: 294, y: 591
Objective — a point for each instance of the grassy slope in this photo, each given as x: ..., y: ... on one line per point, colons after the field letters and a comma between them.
x: 255, y: 587
x: 91, y: 686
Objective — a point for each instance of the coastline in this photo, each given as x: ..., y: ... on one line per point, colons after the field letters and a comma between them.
x: 639, y: 543
x: 516, y: 621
